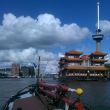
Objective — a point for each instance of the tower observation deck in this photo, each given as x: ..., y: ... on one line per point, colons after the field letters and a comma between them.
x: 98, y: 37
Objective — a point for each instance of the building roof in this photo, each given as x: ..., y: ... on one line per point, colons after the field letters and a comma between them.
x: 85, y: 57
x: 98, y: 53
x: 98, y: 68
x: 73, y: 59
x: 73, y: 52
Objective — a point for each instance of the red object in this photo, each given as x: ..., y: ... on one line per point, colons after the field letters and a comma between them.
x: 68, y: 101
x: 47, y: 86
x: 79, y: 106
x: 50, y: 91
x: 52, y: 87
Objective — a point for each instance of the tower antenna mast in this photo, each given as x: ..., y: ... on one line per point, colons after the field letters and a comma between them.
x: 98, y: 3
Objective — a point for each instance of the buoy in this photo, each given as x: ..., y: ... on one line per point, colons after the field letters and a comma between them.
x: 79, y: 91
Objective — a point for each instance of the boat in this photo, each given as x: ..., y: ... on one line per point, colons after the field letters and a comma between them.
x: 44, y: 96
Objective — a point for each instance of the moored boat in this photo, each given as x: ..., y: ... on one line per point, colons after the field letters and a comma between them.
x: 43, y: 96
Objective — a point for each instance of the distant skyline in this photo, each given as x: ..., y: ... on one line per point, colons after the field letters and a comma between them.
x: 50, y: 28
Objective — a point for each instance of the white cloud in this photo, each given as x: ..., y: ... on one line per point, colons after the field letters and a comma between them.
x: 49, y: 60
x: 107, y: 57
x: 20, y: 38
x: 26, y: 55
x: 45, y: 30
x: 18, y: 56
x: 105, y: 26
x: 60, y: 55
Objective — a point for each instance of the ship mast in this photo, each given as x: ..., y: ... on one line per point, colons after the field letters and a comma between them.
x: 38, y: 76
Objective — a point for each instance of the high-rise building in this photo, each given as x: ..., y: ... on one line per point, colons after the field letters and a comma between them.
x: 15, y: 69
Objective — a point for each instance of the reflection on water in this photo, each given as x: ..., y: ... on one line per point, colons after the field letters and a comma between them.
x: 96, y: 93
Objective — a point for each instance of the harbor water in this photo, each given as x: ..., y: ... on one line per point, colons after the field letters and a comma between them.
x: 96, y: 93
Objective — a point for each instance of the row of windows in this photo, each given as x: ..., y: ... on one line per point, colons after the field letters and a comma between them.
x: 85, y: 74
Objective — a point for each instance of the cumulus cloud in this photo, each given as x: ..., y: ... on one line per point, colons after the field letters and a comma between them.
x: 49, y: 60
x: 26, y: 55
x: 18, y: 56
x: 105, y: 26
x: 23, y: 39
x: 46, y: 30
x: 107, y: 57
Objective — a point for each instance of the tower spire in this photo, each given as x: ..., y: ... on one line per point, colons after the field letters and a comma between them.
x: 98, y: 3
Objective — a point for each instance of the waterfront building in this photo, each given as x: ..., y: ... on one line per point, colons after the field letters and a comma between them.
x: 15, y: 69
x: 76, y: 66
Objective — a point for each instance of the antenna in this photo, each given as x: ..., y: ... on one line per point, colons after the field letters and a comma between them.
x: 98, y: 14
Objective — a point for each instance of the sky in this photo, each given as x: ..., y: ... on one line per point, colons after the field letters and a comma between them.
x: 50, y: 28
